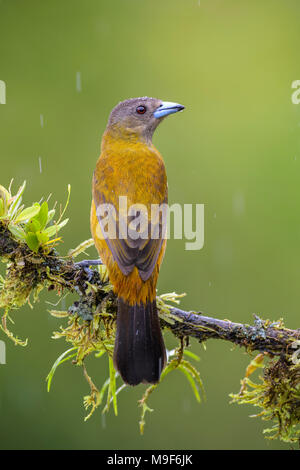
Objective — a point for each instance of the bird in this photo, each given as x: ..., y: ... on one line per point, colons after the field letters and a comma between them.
x: 131, y: 167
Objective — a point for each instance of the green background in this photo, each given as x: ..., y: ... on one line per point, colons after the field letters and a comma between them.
x: 235, y: 148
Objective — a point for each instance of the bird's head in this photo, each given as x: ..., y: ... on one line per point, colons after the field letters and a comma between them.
x: 137, y: 118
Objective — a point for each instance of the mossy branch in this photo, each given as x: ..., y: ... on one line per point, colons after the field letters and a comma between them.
x: 28, y: 249
x: 263, y: 336
x: 63, y: 274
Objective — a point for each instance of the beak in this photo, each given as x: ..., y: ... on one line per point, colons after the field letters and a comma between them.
x: 167, y: 108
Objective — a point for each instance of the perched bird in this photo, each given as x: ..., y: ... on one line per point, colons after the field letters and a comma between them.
x: 130, y: 166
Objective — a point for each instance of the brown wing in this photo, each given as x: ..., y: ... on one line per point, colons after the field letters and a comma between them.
x: 130, y: 251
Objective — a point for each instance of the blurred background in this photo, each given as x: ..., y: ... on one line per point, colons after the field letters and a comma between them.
x: 236, y: 148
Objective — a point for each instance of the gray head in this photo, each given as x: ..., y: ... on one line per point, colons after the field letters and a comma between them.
x: 139, y: 117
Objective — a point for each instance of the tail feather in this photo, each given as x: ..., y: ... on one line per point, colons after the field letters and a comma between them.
x: 140, y: 353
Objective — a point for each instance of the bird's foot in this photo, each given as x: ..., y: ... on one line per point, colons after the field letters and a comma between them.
x: 85, y: 266
x: 88, y: 262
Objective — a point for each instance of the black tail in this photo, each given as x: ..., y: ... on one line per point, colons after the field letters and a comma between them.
x: 140, y: 353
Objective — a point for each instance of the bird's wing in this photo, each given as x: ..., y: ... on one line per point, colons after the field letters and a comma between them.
x: 128, y: 251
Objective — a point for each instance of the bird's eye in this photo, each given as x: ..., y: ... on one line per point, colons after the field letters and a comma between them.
x: 141, y: 109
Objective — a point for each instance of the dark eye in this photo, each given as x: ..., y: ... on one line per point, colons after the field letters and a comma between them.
x: 141, y: 109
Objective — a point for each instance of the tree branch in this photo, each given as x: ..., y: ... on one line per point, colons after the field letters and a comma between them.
x: 263, y: 336
x: 54, y: 272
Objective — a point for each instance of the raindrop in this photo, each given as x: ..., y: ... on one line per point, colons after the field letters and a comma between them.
x: 40, y: 164
x: 63, y: 304
x: 42, y: 120
x: 78, y: 82
x: 238, y: 203
x: 186, y: 405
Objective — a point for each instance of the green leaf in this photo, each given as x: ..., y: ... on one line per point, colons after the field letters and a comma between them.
x: 102, y: 391
x: 100, y: 353
x: 191, y: 354
x: 32, y: 241
x: 62, y: 358
x: 192, y: 382
x: 50, y: 216
x: 42, y: 237
x: 17, y: 231
x: 2, y: 211
x: 33, y: 226
x: 112, y: 387
x: 17, y: 199
x: 105, y: 409
x: 54, y: 229
x: 42, y: 216
x: 28, y: 213
x: 50, y: 231
x: 195, y: 374
x: 63, y: 223
x: 4, y: 197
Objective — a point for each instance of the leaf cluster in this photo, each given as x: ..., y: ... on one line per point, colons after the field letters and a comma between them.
x: 30, y: 224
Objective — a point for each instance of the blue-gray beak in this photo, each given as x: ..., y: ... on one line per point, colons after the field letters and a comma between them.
x: 167, y: 108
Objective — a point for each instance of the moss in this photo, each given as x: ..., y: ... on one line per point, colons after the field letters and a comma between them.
x: 277, y: 394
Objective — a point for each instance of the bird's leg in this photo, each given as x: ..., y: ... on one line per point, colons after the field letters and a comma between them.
x: 88, y: 262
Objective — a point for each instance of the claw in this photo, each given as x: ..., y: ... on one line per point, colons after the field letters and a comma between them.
x: 85, y: 266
